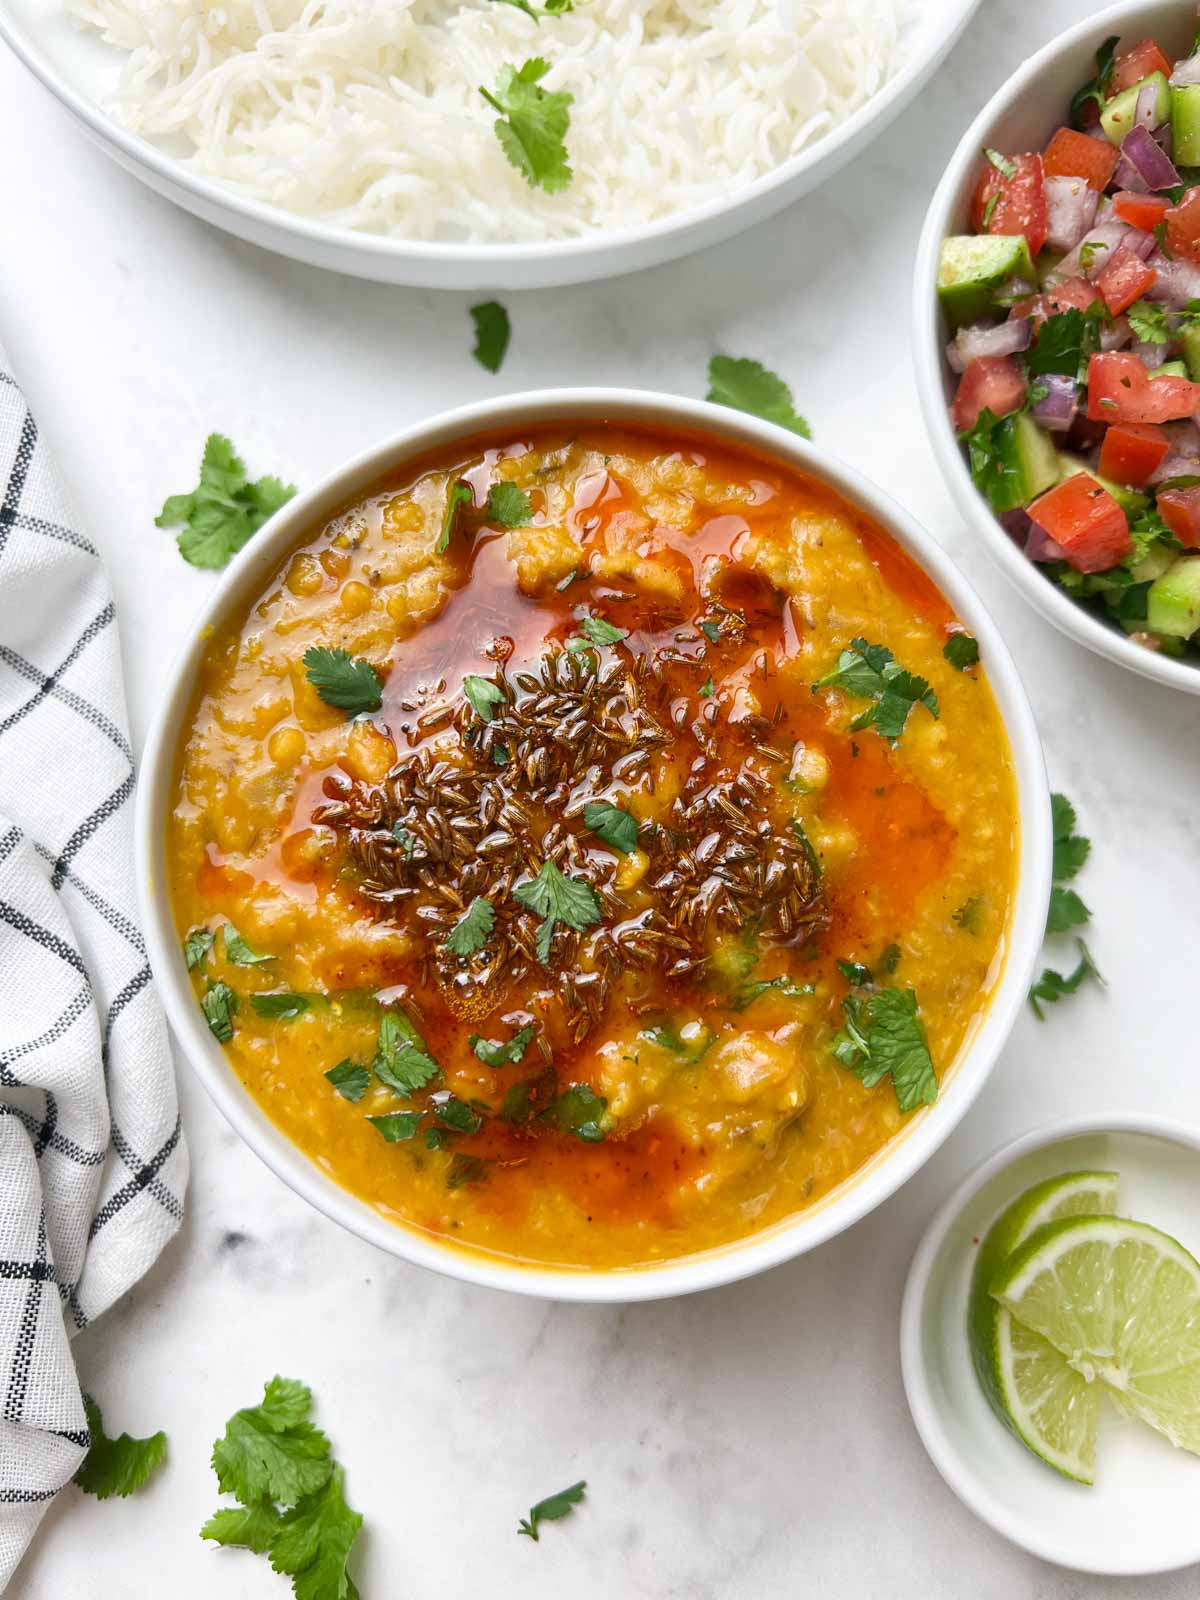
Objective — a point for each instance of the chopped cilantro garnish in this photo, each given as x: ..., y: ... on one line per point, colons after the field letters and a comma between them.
x: 807, y: 845
x: 581, y: 1111
x: 961, y: 650
x: 1149, y: 322
x: 1088, y: 251
x: 469, y: 934
x: 494, y: 1054
x: 610, y: 823
x: 707, y: 688
x: 872, y: 672
x: 219, y: 1005
x: 483, y: 695
x: 691, y: 1043
x: 995, y: 469
x: 238, y: 950
x: 457, y: 1114
x: 557, y: 898
x: 711, y: 631
x: 197, y: 946
x: 855, y: 974
x: 968, y: 914
x: 595, y: 631
x: 405, y: 838
x: 465, y: 1169
x: 1097, y: 89
x: 1002, y: 164
x: 989, y: 210
x: 116, y: 1466
x: 458, y: 494
x: 285, y: 1004
x: 884, y: 1034
x: 224, y: 510
x: 1064, y: 344
x: 351, y: 1080
x: 746, y: 385
x: 509, y: 506
x: 532, y: 125
x: 1052, y: 986
x: 552, y: 1509
x: 492, y: 333
x: 347, y: 683
x: 397, y: 1126
x: 402, y: 1061
x: 750, y: 992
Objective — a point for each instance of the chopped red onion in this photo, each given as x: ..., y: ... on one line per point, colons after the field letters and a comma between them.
x: 1152, y: 356
x: 1153, y: 165
x: 980, y: 339
x: 1039, y: 546
x: 1177, y: 281
x: 1115, y: 335
x: 1056, y: 410
x: 1070, y: 211
x: 1106, y: 235
x: 1016, y: 524
x: 1126, y: 176
x: 1147, y: 107
x: 1186, y: 73
x: 1184, y: 437
x: 1175, y: 466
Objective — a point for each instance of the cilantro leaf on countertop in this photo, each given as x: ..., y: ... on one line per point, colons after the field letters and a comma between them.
x: 961, y: 650
x: 494, y: 1054
x: 1052, y: 986
x: 314, y: 1542
x: 219, y: 1004
x: 402, y: 1060
x: 470, y: 933
x: 615, y: 826
x: 224, y: 511
x: 492, y: 333
x: 116, y: 1466
x: 552, y: 1509
x: 1071, y: 850
x: 557, y: 898
x: 343, y: 681
x: 351, y: 1080
x: 884, y: 1035
x: 747, y: 385
x: 272, y: 1451
x: 870, y: 671
x: 532, y: 125
x: 244, y: 1527
x: 509, y: 506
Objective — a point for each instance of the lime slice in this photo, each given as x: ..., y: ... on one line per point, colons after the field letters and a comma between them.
x: 1121, y: 1301
x: 1048, y: 1405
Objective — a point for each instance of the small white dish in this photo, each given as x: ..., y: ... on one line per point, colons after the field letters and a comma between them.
x: 1140, y: 1515
x: 79, y: 70
x: 1022, y: 116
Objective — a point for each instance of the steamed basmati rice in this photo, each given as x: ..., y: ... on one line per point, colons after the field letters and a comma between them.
x: 366, y: 113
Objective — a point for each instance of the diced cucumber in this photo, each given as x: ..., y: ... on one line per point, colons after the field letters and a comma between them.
x: 1173, y: 602
x: 975, y: 268
x: 1170, y: 369
x: 1047, y: 262
x: 1117, y: 116
x: 1185, y: 124
x: 1036, y: 458
x: 1131, y: 501
x: 1190, y: 337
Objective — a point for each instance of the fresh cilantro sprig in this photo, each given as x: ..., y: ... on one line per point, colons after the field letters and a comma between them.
x: 747, y: 385
x: 884, y: 1035
x: 470, y: 933
x: 1071, y: 850
x: 492, y: 333
x: 871, y: 671
x: 532, y: 125
x: 616, y: 827
x: 345, y: 682
x: 552, y: 1509
x: 1149, y: 322
x: 116, y: 1466
x: 556, y: 898
x: 1052, y: 986
x: 225, y: 510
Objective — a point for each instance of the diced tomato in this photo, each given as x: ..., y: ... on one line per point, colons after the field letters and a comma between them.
x: 1180, y: 510
x: 1020, y: 201
x: 1144, y: 211
x: 1124, y: 280
x: 1183, y: 228
x: 1076, y: 292
x: 1131, y: 451
x: 992, y: 381
x: 1080, y: 515
x: 1121, y: 390
x: 1078, y: 155
x: 1136, y: 63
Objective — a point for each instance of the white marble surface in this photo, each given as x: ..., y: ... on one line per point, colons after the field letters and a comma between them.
x: 751, y: 1442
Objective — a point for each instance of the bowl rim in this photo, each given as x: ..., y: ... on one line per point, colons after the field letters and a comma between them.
x: 929, y: 362
x: 926, y: 1412
x: 943, y: 26
x: 899, y: 1159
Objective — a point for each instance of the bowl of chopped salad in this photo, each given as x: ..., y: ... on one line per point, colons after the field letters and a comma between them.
x: 1057, y: 334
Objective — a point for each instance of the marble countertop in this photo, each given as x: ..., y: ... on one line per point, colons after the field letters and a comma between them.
x: 749, y: 1442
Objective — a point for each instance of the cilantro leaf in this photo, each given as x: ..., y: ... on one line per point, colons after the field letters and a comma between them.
x: 552, y: 1509
x: 314, y: 1542
x: 992, y: 452
x: 244, y: 1527
x: 610, y: 823
x: 351, y: 1080
x: 219, y: 1005
x: 750, y: 992
x: 272, y: 1451
x: 884, y: 1035
x: 116, y: 1466
x: 284, y: 1005
x: 708, y: 688
x: 397, y: 1126
x: 557, y: 898
x: 872, y: 672
x: 594, y: 630
x: 668, y: 1035
x: 1097, y: 89
x: 581, y: 1111
x: 402, y: 1061
x: 855, y: 974
x: 492, y: 333
x: 238, y: 950
x: 458, y: 494
x: 1149, y: 322
x: 197, y: 946
x: 1052, y: 986
x: 1071, y: 850
x: 465, y: 1169
x: 967, y: 915
x: 457, y: 1114
x: 1063, y: 344
x: 532, y: 125
x: 961, y: 650
x: 1002, y: 164
x: 746, y: 385
x: 405, y: 838
x: 469, y: 934
x: 509, y: 506
x: 711, y: 631
x: 494, y: 1054
x: 482, y: 694
x: 1067, y: 911
x: 807, y: 846
x: 347, y: 684
x: 223, y: 511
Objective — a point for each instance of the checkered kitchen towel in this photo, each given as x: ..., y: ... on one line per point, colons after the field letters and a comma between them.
x: 92, y: 1161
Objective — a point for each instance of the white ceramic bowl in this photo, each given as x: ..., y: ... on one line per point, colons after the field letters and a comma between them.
x: 78, y: 70
x: 1140, y: 1515
x: 1022, y: 116
x: 246, y: 578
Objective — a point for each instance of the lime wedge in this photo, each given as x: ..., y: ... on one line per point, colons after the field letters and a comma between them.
x: 1121, y: 1302
x: 1048, y: 1405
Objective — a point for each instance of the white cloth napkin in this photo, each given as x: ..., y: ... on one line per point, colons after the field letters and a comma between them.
x: 92, y: 1161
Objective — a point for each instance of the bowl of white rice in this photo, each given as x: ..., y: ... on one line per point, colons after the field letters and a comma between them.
x: 476, y: 144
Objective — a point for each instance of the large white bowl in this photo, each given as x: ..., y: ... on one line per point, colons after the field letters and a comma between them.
x: 78, y: 69
x: 247, y: 577
x: 1022, y: 116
